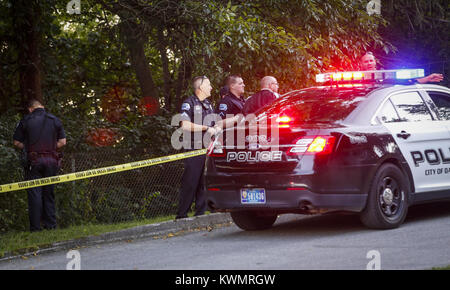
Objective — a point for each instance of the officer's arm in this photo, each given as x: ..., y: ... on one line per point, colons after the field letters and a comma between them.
x: 19, y: 136
x: 18, y: 144
x: 192, y: 127
x: 61, y: 143
x: 433, y: 78
x: 229, y: 122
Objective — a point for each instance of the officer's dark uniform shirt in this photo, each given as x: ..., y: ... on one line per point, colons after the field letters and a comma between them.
x: 39, y: 131
x: 195, y: 111
x: 230, y: 104
x: 258, y: 100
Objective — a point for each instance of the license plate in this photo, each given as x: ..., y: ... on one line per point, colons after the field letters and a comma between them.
x: 253, y: 196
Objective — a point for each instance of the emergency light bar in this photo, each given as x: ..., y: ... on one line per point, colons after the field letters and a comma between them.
x: 370, y: 75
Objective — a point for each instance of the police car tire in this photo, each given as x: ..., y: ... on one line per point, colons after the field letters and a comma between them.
x: 252, y: 220
x: 388, y: 176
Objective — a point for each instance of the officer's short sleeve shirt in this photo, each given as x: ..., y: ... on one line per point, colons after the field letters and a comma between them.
x: 19, y: 134
x: 197, y: 112
x: 187, y: 110
x: 39, y: 131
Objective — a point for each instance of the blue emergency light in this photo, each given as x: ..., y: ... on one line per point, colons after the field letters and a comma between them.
x: 370, y: 76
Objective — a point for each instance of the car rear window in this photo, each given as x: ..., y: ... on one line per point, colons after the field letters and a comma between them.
x: 319, y: 104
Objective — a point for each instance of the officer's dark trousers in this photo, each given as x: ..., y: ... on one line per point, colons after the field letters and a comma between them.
x: 192, y: 187
x: 41, y: 200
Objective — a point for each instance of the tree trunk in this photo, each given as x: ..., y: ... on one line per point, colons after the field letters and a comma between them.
x: 184, y: 74
x: 28, y: 39
x: 135, y: 43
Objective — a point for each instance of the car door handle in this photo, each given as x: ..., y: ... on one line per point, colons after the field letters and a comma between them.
x: 403, y: 134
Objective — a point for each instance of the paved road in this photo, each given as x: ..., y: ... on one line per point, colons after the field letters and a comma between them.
x: 295, y: 242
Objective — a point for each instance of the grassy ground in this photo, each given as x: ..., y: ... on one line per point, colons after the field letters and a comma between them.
x: 442, y: 268
x: 21, y: 242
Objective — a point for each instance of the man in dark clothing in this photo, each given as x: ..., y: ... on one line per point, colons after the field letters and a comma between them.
x: 267, y: 94
x: 194, y: 111
x: 232, y: 103
x: 40, y: 134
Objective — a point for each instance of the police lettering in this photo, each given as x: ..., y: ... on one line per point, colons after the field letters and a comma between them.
x: 432, y: 156
x: 254, y: 156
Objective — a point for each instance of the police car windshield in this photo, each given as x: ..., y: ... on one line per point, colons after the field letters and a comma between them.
x: 318, y: 104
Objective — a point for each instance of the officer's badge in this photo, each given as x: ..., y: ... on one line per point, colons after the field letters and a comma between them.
x: 198, y: 108
x: 223, y: 107
x: 185, y: 107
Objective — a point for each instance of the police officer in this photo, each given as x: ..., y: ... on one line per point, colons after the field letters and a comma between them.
x: 40, y: 134
x: 368, y: 62
x: 194, y: 112
x: 267, y: 94
x: 232, y: 103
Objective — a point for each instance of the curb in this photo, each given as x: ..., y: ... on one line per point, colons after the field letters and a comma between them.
x: 139, y: 232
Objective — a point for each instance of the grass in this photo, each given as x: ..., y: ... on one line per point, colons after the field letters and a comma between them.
x: 441, y: 268
x: 17, y: 243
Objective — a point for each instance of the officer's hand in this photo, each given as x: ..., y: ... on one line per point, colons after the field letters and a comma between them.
x: 211, y: 131
x: 433, y: 78
x: 218, y: 129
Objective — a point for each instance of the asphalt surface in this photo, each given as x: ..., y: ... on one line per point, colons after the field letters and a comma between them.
x: 330, y: 241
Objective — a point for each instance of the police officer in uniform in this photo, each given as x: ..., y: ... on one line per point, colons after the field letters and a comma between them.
x: 233, y: 102
x: 194, y: 112
x: 40, y: 134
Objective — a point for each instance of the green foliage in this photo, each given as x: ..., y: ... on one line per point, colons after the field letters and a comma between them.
x: 292, y: 40
x: 13, y: 206
x: 73, y: 205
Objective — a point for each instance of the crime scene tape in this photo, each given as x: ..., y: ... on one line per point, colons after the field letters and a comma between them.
x: 97, y: 172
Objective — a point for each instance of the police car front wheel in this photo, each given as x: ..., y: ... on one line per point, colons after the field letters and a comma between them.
x: 387, y: 203
x: 251, y: 220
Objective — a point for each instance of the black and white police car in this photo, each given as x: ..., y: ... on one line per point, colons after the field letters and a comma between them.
x: 372, y: 142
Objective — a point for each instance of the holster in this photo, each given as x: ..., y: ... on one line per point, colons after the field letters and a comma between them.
x: 59, y: 158
x: 33, y: 156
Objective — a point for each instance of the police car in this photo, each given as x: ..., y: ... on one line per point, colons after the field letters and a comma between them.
x: 372, y: 142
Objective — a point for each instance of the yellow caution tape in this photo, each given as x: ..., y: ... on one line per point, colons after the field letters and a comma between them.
x: 97, y: 172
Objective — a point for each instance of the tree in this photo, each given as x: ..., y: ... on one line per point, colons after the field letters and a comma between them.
x: 290, y: 39
x: 418, y: 29
x: 27, y: 16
